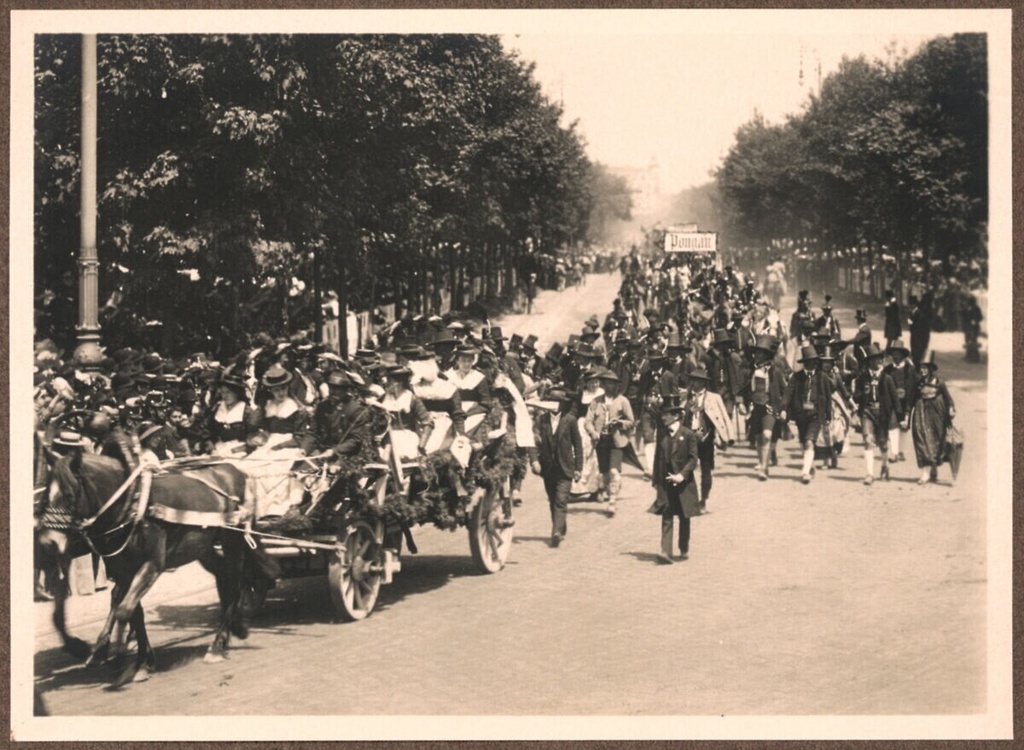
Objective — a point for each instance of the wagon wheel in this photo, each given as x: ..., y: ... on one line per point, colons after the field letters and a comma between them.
x: 491, y: 529
x: 356, y: 571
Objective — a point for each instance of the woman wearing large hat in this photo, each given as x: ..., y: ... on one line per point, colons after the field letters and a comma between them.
x: 879, y: 409
x: 279, y: 421
x: 808, y: 402
x: 931, y: 416
x: 232, y: 420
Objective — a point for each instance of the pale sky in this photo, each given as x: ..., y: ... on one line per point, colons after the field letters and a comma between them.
x: 680, y: 98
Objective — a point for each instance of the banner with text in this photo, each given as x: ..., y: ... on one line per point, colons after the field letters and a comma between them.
x: 691, y: 242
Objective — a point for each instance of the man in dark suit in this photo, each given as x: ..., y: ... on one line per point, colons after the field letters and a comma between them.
x: 674, y: 462
x: 893, y: 324
x: 862, y: 339
x: 558, y: 457
x: 808, y: 402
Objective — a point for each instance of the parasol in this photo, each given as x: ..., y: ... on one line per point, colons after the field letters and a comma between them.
x: 954, y: 448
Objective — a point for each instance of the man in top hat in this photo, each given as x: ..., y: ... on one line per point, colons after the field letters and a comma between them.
x: 528, y: 357
x: 827, y: 322
x: 727, y: 371
x: 920, y: 324
x: 879, y: 408
x: 808, y: 401
x: 763, y: 400
x: 657, y: 383
x: 904, y: 377
x: 862, y: 339
x: 706, y: 416
x: 678, y: 362
x: 672, y: 476
x: 893, y: 324
x: 829, y: 454
x: 558, y: 456
x: 801, y: 325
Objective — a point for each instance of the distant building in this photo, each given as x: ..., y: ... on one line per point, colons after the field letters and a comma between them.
x: 645, y: 184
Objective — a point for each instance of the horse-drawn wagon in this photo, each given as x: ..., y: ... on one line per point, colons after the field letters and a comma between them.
x: 355, y: 520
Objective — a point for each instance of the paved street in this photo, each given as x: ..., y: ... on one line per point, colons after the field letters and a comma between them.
x: 831, y: 598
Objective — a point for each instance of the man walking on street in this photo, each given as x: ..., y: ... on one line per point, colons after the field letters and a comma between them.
x: 808, y: 400
x: 559, y: 457
x: 707, y: 418
x: 879, y: 408
x: 674, y: 462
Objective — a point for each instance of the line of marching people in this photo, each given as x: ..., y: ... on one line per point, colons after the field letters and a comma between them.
x: 710, y: 358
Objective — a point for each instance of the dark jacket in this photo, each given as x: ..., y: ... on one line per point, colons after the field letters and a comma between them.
x: 675, y: 454
x: 345, y: 428
x: 893, y: 326
x: 797, y: 392
x: 560, y: 452
x: 883, y: 393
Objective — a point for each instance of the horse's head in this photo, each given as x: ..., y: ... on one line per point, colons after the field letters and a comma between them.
x: 80, y: 483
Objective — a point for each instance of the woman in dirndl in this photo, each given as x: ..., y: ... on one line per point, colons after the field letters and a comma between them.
x: 593, y: 418
x: 932, y: 412
x: 281, y: 418
x: 232, y: 422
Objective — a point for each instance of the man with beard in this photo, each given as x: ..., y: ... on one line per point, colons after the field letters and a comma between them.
x: 808, y: 400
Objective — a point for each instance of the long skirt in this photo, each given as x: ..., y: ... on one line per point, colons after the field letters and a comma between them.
x: 590, y: 480
x: 928, y: 428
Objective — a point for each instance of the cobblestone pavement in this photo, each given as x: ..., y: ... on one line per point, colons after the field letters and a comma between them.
x: 830, y: 598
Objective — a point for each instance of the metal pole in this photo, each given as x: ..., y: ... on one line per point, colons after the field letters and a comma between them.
x: 88, y: 354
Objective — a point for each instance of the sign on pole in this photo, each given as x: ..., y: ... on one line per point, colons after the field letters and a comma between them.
x: 691, y: 242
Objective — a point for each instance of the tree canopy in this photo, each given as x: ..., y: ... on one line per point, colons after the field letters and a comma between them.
x: 888, y: 155
x: 239, y: 173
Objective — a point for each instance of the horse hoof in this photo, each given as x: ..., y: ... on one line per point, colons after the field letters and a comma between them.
x: 78, y: 648
x: 214, y: 658
x: 142, y: 675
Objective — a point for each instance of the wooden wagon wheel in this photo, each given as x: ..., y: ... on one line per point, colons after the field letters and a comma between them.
x: 356, y: 571
x: 491, y: 530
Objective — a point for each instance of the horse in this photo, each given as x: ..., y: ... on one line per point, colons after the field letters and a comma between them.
x: 93, y: 491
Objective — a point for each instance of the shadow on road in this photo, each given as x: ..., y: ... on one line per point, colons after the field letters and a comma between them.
x: 646, y: 557
x: 545, y: 540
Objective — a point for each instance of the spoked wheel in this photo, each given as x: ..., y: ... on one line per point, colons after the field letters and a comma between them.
x: 491, y: 529
x: 356, y: 572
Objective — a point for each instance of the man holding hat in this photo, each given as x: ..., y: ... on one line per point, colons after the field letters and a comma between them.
x: 879, y: 407
x: 672, y: 477
x: 808, y: 401
x: 558, y: 456
x: 763, y: 399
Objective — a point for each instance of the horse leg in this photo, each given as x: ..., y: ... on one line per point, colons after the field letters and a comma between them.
x: 145, y: 659
x: 100, y: 650
x: 124, y: 612
x: 229, y: 592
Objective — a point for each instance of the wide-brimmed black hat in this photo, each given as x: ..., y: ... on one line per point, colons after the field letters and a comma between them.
x: 698, y: 373
x: 231, y: 380
x: 530, y: 343
x: 897, y: 346
x: 861, y: 314
x: 929, y: 360
x: 873, y: 352
x: 466, y: 350
x: 339, y: 379
x: 808, y: 354
x: 495, y: 334
x: 765, y: 343
x: 560, y: 394
x: 555, y: 352
x: 721, y: 336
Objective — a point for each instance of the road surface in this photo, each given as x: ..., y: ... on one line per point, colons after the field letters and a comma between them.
x: 831, y: 598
